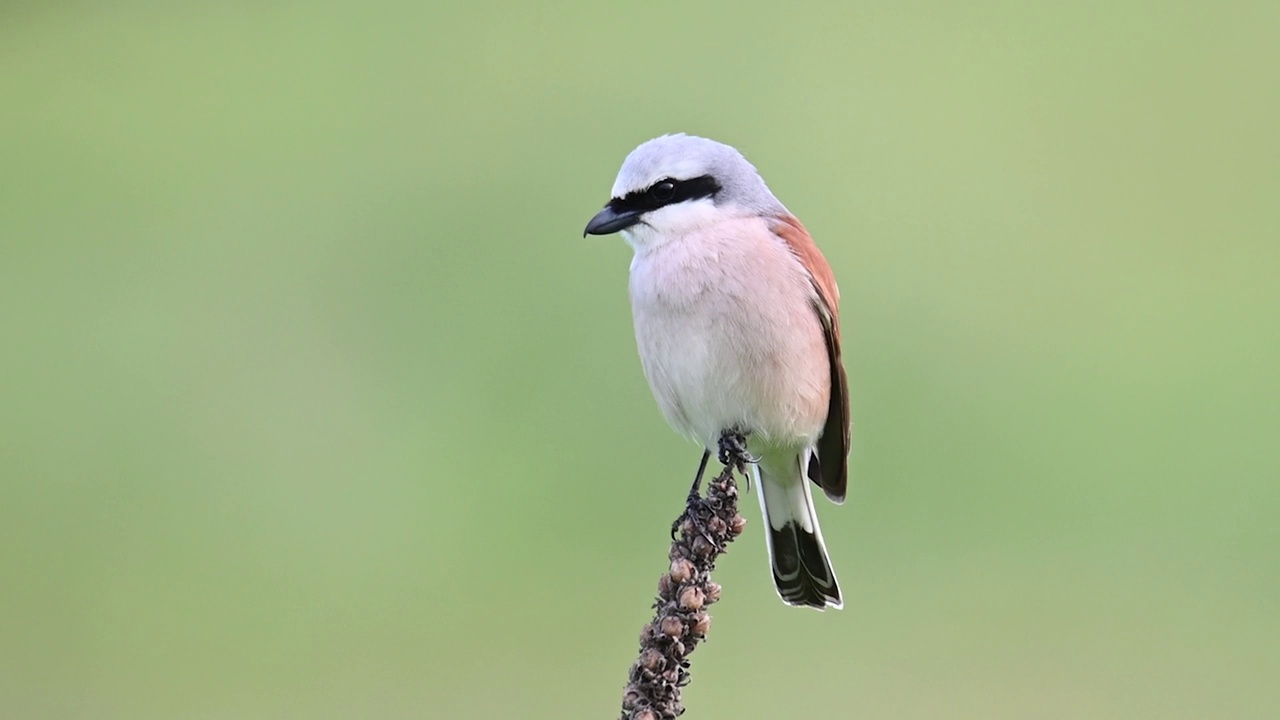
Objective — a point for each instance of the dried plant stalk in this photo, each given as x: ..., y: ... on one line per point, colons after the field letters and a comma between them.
x: 680, y: 620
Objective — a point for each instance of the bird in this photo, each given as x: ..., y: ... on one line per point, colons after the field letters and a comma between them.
x: 737, y: 326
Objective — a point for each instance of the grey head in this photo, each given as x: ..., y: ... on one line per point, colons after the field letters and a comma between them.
x: 672, y: 172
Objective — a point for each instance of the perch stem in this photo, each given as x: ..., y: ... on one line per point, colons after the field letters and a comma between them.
x: 680, y: 619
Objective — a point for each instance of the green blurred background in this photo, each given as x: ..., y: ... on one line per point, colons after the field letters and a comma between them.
x: 316, y: 404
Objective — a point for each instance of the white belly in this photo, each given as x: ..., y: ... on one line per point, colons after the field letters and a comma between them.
x: 728, y: 336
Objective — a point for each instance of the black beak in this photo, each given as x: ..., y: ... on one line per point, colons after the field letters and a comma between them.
x: 609, y: 221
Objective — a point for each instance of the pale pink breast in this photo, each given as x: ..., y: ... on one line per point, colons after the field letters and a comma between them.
x: 728, y: 335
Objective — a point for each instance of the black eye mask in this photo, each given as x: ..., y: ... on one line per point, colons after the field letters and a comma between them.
x: 665, y: 192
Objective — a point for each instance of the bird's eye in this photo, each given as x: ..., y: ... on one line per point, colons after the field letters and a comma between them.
x: 662, y: 191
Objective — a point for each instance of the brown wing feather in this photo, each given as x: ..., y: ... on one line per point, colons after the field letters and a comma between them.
x: 833, y: 444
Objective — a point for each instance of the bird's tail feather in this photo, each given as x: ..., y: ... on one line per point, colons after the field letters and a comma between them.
x: 802, y: 572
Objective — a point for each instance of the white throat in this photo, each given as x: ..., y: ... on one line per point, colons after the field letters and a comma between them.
x: 672, y: 222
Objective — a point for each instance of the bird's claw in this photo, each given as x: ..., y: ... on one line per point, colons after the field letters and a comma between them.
x: 733, y: 451
x: 695, y: 513
x: 733, y: 454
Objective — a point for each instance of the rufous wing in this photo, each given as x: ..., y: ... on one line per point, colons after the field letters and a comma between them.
x: 832, y: 473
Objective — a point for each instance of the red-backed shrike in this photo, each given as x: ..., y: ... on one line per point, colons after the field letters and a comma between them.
x: 737, y: 325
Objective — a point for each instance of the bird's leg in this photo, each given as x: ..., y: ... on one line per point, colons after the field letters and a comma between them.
x: 697, y: 479
x: 694, y: 494
x: 733, y: 455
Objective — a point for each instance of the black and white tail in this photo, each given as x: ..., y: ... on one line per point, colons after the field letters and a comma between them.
x: 801, y: 571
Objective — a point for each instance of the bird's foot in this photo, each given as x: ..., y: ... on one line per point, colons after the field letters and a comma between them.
x: 694, y: 518
x: 698, y: 512
x: 694, y: 502
x: 734, y: 453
